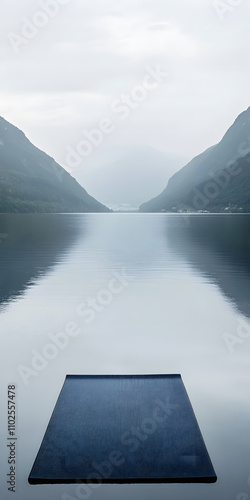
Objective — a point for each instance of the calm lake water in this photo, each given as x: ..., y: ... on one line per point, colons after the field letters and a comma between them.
x: 141, y: 294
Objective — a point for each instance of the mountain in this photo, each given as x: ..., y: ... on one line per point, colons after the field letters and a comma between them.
x: 123, y: 178
x: 31, y: 181
x: 216, y: 180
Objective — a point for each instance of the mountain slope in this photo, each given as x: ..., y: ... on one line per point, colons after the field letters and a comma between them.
x: 209, y: 179
x: 31, y: 181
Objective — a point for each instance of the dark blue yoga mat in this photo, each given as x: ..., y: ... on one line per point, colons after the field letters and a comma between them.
x: 122, y: 429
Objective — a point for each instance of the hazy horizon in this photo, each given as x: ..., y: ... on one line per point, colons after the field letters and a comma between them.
x: 156, y: 74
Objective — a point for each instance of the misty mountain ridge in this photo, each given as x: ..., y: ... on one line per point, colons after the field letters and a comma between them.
x: 217, y: 179
x: 124, y: 177
x: 31, y: 181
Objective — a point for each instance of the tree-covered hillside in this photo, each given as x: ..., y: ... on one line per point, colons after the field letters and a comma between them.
x: 31, y: 181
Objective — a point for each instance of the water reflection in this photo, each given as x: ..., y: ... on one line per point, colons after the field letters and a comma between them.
x: 30, y: 245
x: 169, y: 319
x: 218, y: 246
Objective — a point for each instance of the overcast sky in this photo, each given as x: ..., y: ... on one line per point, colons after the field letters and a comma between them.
x: 65, y: 76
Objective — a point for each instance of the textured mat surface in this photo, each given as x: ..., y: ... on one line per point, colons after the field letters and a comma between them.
x: 122, y: 429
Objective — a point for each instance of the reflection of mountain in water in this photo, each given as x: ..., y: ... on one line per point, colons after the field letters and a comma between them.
x: 219, y: 247
x: 29, y: 246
